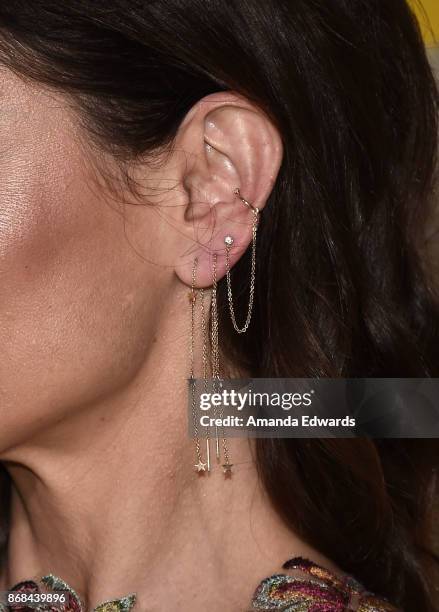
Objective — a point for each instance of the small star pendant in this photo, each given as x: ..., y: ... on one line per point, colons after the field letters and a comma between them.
x: 227, y: 468
x: 200, y: 466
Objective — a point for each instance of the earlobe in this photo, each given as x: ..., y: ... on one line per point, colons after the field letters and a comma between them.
x: 238, y: 153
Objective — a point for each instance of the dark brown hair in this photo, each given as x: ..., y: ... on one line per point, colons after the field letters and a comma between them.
x: 341, y: 290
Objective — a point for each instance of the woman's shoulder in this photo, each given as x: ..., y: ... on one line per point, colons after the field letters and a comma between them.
x: 307, y: 586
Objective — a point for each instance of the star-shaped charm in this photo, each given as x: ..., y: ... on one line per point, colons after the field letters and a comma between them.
x: 200, y: 466
x: 227, y: 468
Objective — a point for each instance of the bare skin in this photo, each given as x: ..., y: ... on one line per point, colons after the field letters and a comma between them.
x: 94, y: 329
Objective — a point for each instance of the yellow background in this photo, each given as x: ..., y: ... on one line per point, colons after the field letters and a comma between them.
x: 432, y: 9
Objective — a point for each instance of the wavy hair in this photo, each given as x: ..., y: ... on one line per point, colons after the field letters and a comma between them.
x: 342, y: 290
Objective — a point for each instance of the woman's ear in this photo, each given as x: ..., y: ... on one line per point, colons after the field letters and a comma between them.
x: 232, y: 146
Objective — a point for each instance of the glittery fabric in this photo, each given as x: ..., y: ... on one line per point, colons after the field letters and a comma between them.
x: 309, y: 587
x: 74, y: 604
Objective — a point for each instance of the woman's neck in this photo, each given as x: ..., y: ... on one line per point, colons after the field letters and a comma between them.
x: 109, y: 501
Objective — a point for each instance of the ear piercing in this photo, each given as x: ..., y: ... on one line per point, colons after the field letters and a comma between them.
x: 228, y: 241
x: 244, y: 201
x: 202, y: 466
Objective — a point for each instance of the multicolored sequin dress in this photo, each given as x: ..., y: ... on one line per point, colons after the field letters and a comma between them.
x: 307, y: 587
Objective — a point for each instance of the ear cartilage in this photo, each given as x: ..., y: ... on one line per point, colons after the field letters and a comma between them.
x: 228, y: 240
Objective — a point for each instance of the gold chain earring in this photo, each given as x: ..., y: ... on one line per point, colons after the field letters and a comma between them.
x: 205, y: 368
x: 228, y: 241
x: 216, y: 373
x: 200, y: 466
x: 194, y: 296
x: 214, y: 349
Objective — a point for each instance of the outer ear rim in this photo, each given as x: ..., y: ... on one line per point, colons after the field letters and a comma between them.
x: 262, y: 148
